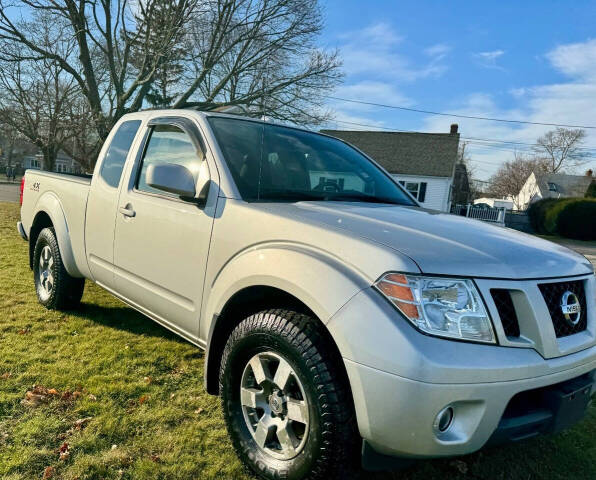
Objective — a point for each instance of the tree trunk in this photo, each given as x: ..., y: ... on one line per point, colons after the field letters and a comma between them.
x: 49, y: 158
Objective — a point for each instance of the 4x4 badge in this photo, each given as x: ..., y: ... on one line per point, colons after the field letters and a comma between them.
x: 571, y: 308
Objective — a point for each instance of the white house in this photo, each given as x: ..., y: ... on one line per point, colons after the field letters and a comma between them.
x: 424, y: 163
x: 552, y: 185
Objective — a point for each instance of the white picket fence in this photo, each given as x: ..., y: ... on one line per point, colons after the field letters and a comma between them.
x: 492, y: 215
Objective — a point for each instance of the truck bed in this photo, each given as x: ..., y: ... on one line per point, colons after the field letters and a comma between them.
x: 64, y: 197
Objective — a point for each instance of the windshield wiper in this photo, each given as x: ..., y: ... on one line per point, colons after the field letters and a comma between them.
x: 289, y: 195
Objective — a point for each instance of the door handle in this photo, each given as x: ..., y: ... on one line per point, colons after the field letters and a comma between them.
x: 127, y: 211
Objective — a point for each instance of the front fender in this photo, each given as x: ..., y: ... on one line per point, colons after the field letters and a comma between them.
x: 320, y: 281
x: 50, y: 204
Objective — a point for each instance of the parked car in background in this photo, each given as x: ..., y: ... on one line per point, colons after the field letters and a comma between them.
x: 341, y: 320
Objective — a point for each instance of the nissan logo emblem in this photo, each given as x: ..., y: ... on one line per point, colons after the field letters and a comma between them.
x: 571, y: 308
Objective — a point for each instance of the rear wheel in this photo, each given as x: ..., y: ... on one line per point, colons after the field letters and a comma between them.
x: 286, y: 400
x: 55, y: 288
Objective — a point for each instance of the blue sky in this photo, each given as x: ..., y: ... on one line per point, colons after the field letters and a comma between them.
x: 531, y: 60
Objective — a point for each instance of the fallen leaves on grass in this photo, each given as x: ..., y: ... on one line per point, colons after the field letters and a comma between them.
x: 81, y: 422
x: 143, y: 399
x: 23, y: 331
x: 48, y: 473
x: 92, y: 397
x: 5, y: 375
x: 199, y: 411
x: 40, y: 394
x: 64, y: 451
x: 148, y: 380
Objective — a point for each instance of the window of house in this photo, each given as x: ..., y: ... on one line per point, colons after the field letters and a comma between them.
x: 416, y: 189
x: 552, y: 186
x: 35, y: 164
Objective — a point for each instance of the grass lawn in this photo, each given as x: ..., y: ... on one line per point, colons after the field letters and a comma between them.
x: 124, y: 398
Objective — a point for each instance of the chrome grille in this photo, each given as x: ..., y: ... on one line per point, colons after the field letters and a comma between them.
x: 553, y: 293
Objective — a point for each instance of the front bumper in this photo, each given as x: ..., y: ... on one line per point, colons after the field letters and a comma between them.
x: 400, y: 413
x: 401, y: 380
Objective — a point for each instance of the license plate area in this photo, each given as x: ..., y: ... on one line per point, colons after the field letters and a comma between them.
x: 545, y: 410
x: 568, y: 402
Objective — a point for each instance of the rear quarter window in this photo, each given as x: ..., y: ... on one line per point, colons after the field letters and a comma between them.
x: 113, y: 163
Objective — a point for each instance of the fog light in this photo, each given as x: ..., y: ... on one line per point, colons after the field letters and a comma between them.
x: 443, y: 420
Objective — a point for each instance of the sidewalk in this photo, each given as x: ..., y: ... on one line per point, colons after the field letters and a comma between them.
x: 3, y: 181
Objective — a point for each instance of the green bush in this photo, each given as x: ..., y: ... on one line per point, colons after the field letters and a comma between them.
x: 537, y: 212
x: 569, y: 217
x: 578, y: 219
x: 552, y: 214
x: 591, y: 192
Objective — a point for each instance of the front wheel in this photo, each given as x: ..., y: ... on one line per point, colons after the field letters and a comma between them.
x: 55, y: 288
x: 286, y: 400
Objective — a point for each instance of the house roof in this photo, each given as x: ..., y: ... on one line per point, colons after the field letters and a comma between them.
x: 426, y: 154
x: 562, y: 185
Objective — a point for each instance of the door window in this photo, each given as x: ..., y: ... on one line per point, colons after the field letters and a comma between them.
x: 168, y: 144
x: 113, y: 163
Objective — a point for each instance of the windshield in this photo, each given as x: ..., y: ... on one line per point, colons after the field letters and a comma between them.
x: 283, y: 164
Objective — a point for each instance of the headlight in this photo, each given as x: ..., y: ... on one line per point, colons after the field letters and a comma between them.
x: 445, y: 307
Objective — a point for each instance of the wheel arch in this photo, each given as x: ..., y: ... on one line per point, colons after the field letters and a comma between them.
x: 50, y: 214
x: 244, y: 303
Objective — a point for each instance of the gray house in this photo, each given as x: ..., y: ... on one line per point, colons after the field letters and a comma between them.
x: 424, y: 163
x: 552, y: 185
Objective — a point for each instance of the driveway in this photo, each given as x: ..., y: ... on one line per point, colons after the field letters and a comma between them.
x: 9, y: 192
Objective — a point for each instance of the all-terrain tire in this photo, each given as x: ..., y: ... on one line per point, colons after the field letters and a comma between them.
x: 330, y: 449
x: 55, y: 288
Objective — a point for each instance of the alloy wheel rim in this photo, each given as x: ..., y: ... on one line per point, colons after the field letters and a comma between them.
x: 274, y: 405
x: 46, y: 276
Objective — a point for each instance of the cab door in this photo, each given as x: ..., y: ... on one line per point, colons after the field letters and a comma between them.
x: 161, y: 241
x: 103, y: 200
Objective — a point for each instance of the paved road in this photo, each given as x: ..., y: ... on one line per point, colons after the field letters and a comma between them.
x: 9, y: 192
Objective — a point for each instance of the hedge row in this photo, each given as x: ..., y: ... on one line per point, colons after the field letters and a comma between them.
x: 569, y: 217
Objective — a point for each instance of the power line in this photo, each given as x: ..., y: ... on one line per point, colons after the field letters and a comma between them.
x: 472, y: 117
x: 471, y: 140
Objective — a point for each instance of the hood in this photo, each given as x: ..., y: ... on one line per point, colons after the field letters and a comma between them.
x: 445, y: 244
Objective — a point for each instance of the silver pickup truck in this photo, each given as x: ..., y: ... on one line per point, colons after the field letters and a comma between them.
x: 341, y: 320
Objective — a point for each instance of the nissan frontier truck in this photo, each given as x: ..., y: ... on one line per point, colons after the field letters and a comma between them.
x: 341, y: 321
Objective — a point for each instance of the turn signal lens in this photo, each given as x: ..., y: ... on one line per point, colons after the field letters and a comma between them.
x: 444, y: 307
x: 396, y: 288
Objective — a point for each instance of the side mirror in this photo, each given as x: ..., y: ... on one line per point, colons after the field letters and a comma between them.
x: 172, y: 178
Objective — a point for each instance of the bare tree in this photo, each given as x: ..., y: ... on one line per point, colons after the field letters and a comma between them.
x: 13, y: 145
x: 35, y: 101
x: 259, y: 54
x: 512, y: 175
x: 561, y: 149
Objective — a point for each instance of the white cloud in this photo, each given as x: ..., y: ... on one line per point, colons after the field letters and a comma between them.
x: 374, y: 51
x: 576, y: 60
x: 376, y: 64
x: 438, y: 51
x: 489, y: 59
